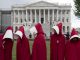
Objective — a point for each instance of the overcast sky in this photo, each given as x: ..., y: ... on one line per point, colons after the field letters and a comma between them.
x: 6, y: 4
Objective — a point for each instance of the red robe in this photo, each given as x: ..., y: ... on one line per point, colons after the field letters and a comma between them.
x: 39, y: 46
x: 73, y: 50
x: 8, y: 45
x: 57, y: 50
x: 1, y: 48
x: 22, y: 49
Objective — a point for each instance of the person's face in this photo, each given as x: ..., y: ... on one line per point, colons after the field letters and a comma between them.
x: 53, y: 31
x: 16, y: 36
x: 75, y: 39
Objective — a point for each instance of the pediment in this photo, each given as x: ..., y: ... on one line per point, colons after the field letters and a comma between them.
x: 42, y: 4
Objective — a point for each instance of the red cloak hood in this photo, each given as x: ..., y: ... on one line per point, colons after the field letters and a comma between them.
x: 74, y: 33
x: 58, y: 28
x: 8, y: 33
x: 39, y: 28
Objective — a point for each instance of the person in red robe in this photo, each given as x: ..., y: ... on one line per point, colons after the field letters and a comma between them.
x: 73, y: 46
x: 8, y: 43
x: 57, y: 43
x: 39, y: 46
x: 1, y: 48
x: 22, y: 48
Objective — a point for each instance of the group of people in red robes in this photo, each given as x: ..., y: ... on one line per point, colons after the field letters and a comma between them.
x: 39, y: 46
x: 60, y: 49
